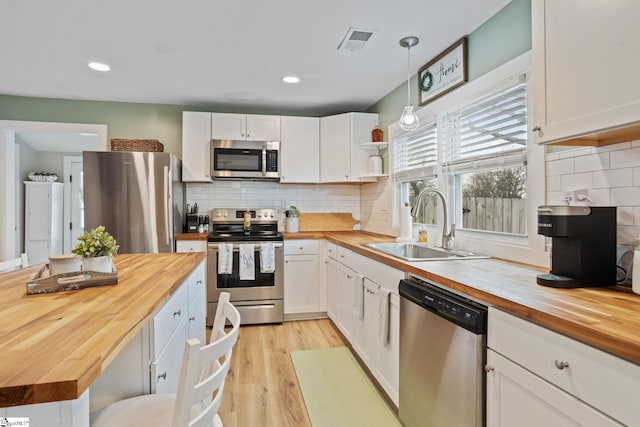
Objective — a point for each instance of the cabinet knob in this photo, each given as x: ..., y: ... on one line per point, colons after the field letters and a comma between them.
x: 199, y: 282
x: 536, y: 129
x: 192, y: 319
x: 488, y: 368
x: 162, y: 376
x: 561, y: 364
x: 177, y: 313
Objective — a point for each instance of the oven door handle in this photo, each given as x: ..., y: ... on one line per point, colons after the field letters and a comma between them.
x: 236, y: 246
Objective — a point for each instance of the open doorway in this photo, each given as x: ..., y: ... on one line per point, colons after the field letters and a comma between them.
x: 39, y: 146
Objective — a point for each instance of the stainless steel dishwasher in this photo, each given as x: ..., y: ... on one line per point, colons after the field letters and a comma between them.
x: 442, y: 355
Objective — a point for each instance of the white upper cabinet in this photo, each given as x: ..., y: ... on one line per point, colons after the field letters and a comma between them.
x: 196, y: 146
x: 300, y: 149
x: 585, y: 71
x: 245, y: 126
x: 341, y: 159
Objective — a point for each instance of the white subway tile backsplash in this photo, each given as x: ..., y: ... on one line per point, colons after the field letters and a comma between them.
x: 591, y: 162
x: 625, y: 215
x: 554, y: 183
x: 560, y: 167
x: 610, y: 174
x: 577, y: 181
x: 307, y: 197
x: 613, y: 178
x: 625, y: 158
x: 600, y: 197
x: 576, y: 152
x: 636, y: 177
x: 627, y: 196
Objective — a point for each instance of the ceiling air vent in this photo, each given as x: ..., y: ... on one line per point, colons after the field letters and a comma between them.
x: 355, y: 39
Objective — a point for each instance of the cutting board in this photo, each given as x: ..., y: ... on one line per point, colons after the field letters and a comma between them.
x: 327, y: 221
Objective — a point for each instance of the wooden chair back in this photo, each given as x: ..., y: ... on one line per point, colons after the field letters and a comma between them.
x: 11, y: 264
x: 204, y: 369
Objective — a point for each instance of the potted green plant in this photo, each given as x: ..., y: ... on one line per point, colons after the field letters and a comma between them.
x: 291, y: 224
x: 97, y: 248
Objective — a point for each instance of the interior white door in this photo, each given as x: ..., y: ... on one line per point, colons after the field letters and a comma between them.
x: 73, y: 201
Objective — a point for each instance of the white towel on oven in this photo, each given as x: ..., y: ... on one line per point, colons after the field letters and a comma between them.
x: 267, y: 258
x: 225, y: 258
x: 247, y: 262
x: 384, y: 301
x: 358, y: 295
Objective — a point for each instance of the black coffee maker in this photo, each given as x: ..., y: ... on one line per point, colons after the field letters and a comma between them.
x: 583, y: 245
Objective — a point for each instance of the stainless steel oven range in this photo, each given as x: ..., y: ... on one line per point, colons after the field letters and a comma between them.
x: 259, y: 300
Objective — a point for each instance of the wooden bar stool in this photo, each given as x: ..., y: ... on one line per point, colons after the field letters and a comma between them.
x: 199, y: 396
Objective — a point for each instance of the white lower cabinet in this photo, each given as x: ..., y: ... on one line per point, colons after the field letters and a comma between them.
x: 516, y: 397
x: 553, y: 379
x: 331, y: 275
x: 191, y: 245
x: 151, y: 362
x: 301, y: 277
x: 387, y: 354
x: 165, y: 367
x: 344, y: 284
x: 379, y: 352
x: 367, y: 326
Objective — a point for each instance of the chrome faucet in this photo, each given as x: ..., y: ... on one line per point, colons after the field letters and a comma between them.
x: 447, y: 236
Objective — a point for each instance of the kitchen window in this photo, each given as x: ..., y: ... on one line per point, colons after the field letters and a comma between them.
x: 484, y: 151
x: 416, y: 161
x: 481, y: 160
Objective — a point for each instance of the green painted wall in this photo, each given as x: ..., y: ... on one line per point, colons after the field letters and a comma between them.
x: 505, y: 36
x: 123, y: 119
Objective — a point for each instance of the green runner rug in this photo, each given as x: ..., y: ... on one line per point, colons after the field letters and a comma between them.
x: 337, y: 392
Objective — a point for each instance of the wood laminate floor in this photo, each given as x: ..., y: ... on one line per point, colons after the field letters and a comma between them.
x: 261, y: 388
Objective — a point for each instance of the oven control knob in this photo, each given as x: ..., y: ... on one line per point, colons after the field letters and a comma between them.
x: 226, y: 214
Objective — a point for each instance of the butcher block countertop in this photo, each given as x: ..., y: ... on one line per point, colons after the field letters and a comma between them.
x: 606, y: 318
x: 53, y: 346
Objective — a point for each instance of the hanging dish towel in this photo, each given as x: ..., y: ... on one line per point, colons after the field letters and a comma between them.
x: 384, y: 301
x: 225, y: 258
x: 267, y: 258
x: 247, y: 262
x: 358, y: 295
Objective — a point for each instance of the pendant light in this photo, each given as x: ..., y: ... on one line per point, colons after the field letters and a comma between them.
x: 409, y: 119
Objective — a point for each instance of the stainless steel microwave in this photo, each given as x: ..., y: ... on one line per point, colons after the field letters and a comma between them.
x: 238, y: 159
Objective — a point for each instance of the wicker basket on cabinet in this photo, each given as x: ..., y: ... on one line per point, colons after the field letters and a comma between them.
x: 136, y: 145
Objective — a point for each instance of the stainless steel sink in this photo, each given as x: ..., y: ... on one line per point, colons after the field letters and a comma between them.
x: 417, y: 252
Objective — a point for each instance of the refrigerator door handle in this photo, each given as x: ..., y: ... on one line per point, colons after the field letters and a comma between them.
x: 168, y: 206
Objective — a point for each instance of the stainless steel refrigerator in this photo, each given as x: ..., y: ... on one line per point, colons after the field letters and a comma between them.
x: 139, y: 197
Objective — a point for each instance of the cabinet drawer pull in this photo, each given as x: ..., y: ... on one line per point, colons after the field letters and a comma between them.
x: 488, y: 368
x: 536, y: 129
x: 561, y: 364
x: 199, y: 282
x: 192, y: 319
x: 177, y: 313
x: 162, y: 376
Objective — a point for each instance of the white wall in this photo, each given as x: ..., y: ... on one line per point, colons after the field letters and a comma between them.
x: 611, y: 174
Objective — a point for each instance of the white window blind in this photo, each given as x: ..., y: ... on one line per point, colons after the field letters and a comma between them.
x: 415, y: 154
x: 488, y: 134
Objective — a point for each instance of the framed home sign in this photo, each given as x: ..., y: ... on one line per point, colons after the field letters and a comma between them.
x: 444, y: 73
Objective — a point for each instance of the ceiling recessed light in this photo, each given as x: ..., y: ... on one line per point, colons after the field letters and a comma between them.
x: 99, y: 66
x: 290, y: 79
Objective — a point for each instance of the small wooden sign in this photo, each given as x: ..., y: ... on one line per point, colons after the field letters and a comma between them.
x: 444, y: 73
